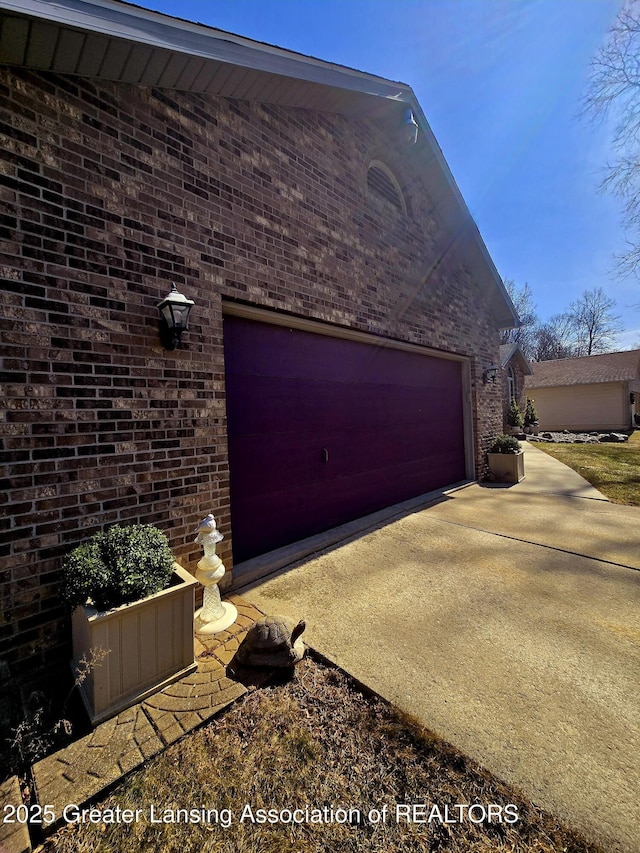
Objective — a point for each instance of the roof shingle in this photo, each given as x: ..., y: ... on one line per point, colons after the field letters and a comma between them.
x: 608, y: 367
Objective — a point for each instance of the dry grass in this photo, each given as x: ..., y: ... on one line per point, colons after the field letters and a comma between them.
x: 614, y: 469
x: 316, y: 741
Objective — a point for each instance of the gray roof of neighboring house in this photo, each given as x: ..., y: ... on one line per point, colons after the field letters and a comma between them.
x: 122, y: 42
x: 588, y: 370
x: 509, y: 351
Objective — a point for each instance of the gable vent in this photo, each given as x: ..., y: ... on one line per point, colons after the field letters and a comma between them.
x: 382, y: 183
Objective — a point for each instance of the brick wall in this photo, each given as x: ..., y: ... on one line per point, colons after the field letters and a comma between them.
x: 108, y: 193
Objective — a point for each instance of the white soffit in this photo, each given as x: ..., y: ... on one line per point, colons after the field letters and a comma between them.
x: 125, y: 43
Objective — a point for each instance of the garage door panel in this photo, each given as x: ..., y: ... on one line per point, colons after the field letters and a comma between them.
x: 285, y: 461
x: 285, y: 518
x: 399, y: 482
x: 369, y: 405
x: 275, y: 461
x: 597, y: 406
x: 324, y: 430
x: 259, y: 404
x: 276, y: 522
x: 292, y: 353
x: 378, y: 449
x: 265, y: 404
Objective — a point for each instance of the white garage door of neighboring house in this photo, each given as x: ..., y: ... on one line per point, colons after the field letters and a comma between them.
x: 323, y: 430
x: 582, y: 407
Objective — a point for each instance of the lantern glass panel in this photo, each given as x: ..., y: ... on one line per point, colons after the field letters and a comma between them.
x: 181, y: 316
x: 167, y: 314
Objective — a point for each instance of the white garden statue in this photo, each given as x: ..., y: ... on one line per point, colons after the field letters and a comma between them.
x: 214, y: 615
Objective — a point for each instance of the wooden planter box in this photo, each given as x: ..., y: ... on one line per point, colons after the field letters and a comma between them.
x: 506, y: 467
x: 149, y: 645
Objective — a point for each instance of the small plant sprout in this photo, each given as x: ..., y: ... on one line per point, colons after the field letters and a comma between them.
x: 35, y: 736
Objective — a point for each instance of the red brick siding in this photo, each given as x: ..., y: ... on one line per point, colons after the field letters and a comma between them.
x: 108, y: 193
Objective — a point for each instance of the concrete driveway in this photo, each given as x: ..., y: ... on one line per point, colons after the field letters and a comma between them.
x: 508, y: 621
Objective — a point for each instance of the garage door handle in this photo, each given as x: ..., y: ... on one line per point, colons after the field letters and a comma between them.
x: 325, y: 454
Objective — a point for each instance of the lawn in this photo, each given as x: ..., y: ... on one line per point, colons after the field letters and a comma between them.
x: 364, y: 777
x: 614, y: 469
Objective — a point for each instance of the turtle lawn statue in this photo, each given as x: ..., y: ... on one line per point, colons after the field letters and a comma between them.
x: 272, y: 641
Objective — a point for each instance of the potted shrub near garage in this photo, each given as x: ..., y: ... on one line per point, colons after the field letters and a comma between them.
x: 531, y: 425
x: 506, y: 460
x: 132, y: 600
x: 514, y: 417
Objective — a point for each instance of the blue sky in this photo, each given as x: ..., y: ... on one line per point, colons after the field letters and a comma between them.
x: 500, y: 82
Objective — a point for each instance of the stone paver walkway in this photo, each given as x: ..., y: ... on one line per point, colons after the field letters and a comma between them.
x: 14, y: 837
x: 83, y: 769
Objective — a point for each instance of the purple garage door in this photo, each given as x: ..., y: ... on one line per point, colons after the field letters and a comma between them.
x: 324, y: 430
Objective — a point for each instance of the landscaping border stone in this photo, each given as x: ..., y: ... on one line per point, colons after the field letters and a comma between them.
x: 569, y: 437
x: 14, y: 837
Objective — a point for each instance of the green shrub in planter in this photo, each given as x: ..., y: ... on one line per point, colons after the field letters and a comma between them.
x: 530, y: 413
x: 505, y: 444
x: 514, y: 415
x: 122, y: 565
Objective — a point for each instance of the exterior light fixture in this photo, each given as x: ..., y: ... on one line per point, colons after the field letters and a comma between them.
x: 409, y: 129
x: 174, y: 317
x: 489, y: 375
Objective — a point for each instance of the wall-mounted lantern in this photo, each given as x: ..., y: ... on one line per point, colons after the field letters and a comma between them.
x: 489, y: 375
x: 174, y: 317
x: 409, y: 128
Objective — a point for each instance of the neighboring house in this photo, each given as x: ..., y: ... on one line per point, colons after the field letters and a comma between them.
x: 515, y: 368
x: 596, y: 392
x: 345, y: 309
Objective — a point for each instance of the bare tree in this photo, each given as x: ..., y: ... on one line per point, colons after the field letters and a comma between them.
x: 596, y: 325
x: 555, y: 338
x: 523, y: 336
x: 588, y: 326
x: 614, y: 90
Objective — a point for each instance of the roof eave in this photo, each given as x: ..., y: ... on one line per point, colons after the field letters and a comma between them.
x: 134, y: 45
x: 120, y: 22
